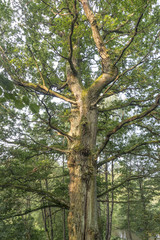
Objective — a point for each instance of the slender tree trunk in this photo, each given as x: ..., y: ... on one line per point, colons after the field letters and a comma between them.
x: 64, y: 212
x: 28, y: 230
x: 64, y: 224
x: 44, y: 217
x: 109, y: 207
x: 112, y: 205
x: 128, y: 214
x: 107, y: 199
x: 145, y: 220
x: 50, y: 222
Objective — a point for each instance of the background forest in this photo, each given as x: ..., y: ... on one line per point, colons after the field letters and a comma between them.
x: 38, y: 39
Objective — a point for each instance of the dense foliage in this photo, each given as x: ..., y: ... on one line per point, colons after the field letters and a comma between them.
x: 39, y: 41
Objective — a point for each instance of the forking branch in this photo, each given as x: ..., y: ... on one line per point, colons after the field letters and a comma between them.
x: 109, y: 72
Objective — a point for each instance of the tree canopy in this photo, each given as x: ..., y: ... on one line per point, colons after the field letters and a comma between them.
x: 79, y: 82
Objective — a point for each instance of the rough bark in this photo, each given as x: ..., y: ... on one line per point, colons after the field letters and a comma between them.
x: 82, y: 220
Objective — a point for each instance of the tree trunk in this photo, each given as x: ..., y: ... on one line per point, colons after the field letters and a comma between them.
x: 128, y: 213
x: 107, y: 202
x: 144, y: 212
x: 82, y: 219
x: 112, y: 205
x: 63, y: 211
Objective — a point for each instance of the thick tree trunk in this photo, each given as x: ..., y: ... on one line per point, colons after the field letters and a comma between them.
x: 82, y: 220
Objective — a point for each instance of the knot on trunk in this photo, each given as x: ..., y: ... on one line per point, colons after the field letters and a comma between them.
x: 87, y: 173
x: 81, y: 150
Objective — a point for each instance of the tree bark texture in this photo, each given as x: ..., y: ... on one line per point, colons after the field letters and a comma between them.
x: 82, y: 220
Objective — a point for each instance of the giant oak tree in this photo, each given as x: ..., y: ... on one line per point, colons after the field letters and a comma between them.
x: 83, y: 53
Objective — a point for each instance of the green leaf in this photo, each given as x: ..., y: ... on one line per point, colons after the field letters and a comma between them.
x: 34, y: 107
x: 6, y: 84
x: 25, y: 99
x: 1, y: 91
x: 19, y: 104
x: 9, y: 96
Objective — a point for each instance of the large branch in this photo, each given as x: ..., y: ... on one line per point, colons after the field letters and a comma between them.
x: 129, y: 150
x: 121, y: 184
x: 132, y: 39
x: 74, y: 84
x: 49, y: 148
x: 127, y: 70
x: 48, y: 196
x: 27, y: 211
x: 36, y: 87
x: 103, y: 52
x: 128, y: 120
x: 70, y: 39
x: 130, y: 178
x: 109, y: 72
x: 43, y: 89
x: 100, y: 83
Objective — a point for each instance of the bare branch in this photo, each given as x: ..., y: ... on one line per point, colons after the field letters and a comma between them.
x: 130, y: 178
x: 18, y: 142
x: 126, y: 104
x: 149, y: 129
x: 56, y: 51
